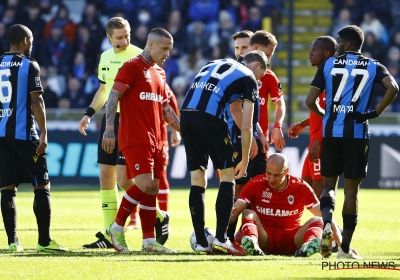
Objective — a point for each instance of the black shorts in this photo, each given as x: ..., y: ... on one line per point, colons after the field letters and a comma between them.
x: 257, y: 165
x: 102, y: 156
x: 206, y: 136
x: 344, y: 155
x: 20, y: 164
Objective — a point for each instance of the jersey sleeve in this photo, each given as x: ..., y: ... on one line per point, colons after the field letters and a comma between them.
x: 247, y: 193
x: 173, y: 102
x: 381, y: 73
x: 250, y: 89
x: 127, y: 74
x: 319, y: 79
x: 309, y: 198
x: 100, y: 70
x: 273, y: 87
x: 35, y: 84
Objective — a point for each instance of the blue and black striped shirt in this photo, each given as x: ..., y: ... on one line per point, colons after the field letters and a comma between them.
x: 348, y: 81
x: 20, y: 75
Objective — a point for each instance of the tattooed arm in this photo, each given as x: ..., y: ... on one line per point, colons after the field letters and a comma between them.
x: 170, y: 117
x: 108, y: 143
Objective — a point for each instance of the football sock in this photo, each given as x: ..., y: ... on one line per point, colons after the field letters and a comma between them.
x: 129, y: 201
x: 327, y: 206
x: 314, y: 230
x: 196, y: 206
x: 147, y: 213
x: 223, y: 209
x: 134, y: 214
x: 9, y: 212
x: 42, y: 210
x: 349, y: 226
x: 109, y: 203
x: 163, y: 192
x: 148, y: 241
x: 232, y: 228
x: 249, y: 228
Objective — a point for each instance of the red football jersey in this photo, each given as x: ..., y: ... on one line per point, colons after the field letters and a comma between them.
x: 279, y: 209
x: 174, y: 104
x: 141, y: 105
x: 270, y: 86
x: 315, y: 122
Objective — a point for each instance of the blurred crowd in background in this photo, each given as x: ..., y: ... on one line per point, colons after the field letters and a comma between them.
x: 70, y: 35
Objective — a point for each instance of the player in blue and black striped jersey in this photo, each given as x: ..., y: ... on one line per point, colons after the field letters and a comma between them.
x: 22, y: 150
x: 348, y: 80
x: 205, y: 134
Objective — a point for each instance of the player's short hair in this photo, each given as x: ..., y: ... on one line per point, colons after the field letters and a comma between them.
x: 328, y: 42
x: 242, y: 34
x: 352, y: 34
x: 116, y: 23
x: 258, y: 56
x: 262, y: 37
x: 159, y: 32
x: 16, y: 34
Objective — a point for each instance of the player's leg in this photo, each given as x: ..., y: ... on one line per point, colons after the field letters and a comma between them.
x: 163, y: 193
x: 356, y: 155
x: 308, y: 237
x: 305, y: 172
x: 253, y: 233
x: 317, y: 183
x: 9, y: 180
x: 331, y: 168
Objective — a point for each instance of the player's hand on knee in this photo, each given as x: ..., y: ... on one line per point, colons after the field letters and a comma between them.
x: 83, y: 124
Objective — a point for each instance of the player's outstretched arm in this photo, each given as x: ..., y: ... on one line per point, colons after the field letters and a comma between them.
x: 277, y: 135
x: 297, y: 128
x: 108, y: 143
x: 98, y: 101
x: 237, y: 209
x: 170, y: 117
x: 39, y: 111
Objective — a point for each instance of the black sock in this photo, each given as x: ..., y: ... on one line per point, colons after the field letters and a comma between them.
x: 349, y: 226
x: 42, y: 210
x: 223, y: 209
x: 327, y: 206
x: 196, y: 206
x: 9, y: 212
x: 232, y: 228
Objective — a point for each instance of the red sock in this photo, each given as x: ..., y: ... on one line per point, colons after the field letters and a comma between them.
x: 163, y: 192
x: 147, y: 213
x: 249, y: 228
x: 129, y: 202
x: 314, y: 230
x: 134, y: 214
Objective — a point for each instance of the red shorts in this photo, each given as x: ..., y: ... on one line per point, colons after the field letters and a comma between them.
x: 143, y: 159
x: 311, y: 169
x: 281, y: 241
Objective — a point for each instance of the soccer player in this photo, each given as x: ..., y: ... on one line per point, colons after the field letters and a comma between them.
x: 22, y: 150
x: 277, y: 201
x: 348, y: 81
x: 205, y: 134
x: 141, y: 92
x: 112, y: 166
x: 270, y: 86
x: 321, y: 49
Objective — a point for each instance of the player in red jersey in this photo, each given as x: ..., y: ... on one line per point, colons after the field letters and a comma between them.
x: 277, y: 202
x: 141, y: 92
x: 322, y: 48
x: 270, y: 87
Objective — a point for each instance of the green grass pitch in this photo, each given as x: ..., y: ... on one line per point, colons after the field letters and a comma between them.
x: 76, y: 217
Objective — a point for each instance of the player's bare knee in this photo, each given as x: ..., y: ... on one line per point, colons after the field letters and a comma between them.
x: 47, y: 187
x: 247, y: 213
x: 10, y: 187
